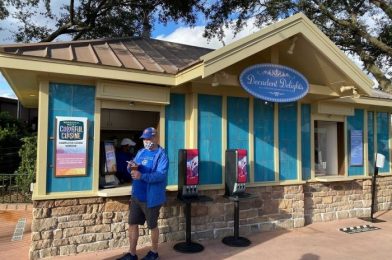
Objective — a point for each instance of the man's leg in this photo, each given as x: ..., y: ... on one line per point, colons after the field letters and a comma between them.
x: 133, y: 237
x: 154, y: 239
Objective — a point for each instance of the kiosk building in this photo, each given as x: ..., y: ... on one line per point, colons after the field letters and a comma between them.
x: 310, y: 157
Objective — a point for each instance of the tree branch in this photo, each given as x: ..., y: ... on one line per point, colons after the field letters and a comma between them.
x: 387, y: 8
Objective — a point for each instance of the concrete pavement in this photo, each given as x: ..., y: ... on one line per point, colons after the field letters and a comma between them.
x: 313, y: 242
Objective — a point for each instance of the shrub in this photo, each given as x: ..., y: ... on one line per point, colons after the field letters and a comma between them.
x: 28, y: 154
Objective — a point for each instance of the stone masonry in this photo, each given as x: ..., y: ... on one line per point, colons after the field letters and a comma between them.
x: 72, y: 226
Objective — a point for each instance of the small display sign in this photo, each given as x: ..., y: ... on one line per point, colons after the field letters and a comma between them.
x: 356, y: 155
x: 192, y: 167
x: 110, y: 155
x: 71, y: 146
x: 241, y: 167
x: 275, y: 83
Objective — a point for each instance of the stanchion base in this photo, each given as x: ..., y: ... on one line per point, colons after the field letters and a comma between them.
x: 372, y: 220
x: 190, y: 248
x: 236, y: 241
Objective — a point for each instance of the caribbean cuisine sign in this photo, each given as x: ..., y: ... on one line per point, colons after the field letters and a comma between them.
x: 71, y: 146
x: 274, y: 83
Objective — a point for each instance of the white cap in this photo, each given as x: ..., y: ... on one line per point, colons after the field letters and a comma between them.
x: 127, y: 141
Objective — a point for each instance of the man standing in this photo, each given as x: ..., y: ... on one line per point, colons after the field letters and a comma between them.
x: 122, y: 156
x: 148, y: 192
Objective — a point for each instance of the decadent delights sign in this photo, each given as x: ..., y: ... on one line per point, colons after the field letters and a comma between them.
x: 275, y: 83
x: 71, y: 146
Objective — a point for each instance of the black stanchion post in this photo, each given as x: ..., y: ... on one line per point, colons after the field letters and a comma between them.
x: 378, y: 164
x: 374, y: 183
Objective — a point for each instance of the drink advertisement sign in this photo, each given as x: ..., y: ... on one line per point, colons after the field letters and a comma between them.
x: 192, y: 167
x: 71, y: 146
x: 274, y: 83
x: 241, y: 167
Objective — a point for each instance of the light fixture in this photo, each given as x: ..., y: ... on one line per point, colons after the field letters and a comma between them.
x: 131, y: 104
x: 292, y: 46
x: 355, y: 93
x: 215, y: 81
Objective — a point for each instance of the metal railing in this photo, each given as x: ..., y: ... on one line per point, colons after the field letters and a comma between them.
x: 11, y: 191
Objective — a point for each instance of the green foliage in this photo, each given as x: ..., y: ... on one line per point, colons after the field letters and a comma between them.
x: 27, y: 167
x: 11, y: 132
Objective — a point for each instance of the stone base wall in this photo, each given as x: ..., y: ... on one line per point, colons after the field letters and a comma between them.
x: 72, y: 226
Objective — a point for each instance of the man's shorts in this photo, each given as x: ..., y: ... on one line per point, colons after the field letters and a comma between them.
x: 139, y: 213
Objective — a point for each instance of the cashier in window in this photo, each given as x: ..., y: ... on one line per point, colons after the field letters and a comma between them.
x: 124, y: 154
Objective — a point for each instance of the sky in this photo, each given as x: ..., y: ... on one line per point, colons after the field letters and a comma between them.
x: 174, y: 32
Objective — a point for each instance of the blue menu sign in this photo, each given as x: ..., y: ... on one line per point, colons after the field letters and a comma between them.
x: 275, y: 83
x: 356, y: 156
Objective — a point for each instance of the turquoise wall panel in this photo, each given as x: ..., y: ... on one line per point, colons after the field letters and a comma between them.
x: 77, y: 101
x: 288, y: 141
x: 355, y: 122
x: 174, y: 133
x: 210, y: 139
x: 383, y: 139
x: 371, y: 157
x: 238, y: 124
x: 263, y: 116
x: 305, y: 141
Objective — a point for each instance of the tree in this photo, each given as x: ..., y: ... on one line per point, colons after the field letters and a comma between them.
x: 345, y: 22
x: 92, y: 19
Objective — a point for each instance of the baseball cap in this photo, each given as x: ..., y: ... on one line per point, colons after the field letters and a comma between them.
x: 127, y: 141
x: 148, y: 133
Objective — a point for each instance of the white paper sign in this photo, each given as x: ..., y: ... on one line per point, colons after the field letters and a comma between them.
x: 380, y: 160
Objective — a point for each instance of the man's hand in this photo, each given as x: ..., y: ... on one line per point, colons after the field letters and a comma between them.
x: 136, y: 175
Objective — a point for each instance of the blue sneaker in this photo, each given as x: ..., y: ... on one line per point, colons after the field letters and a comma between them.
x: 128, y: 256
x: 151, y: 256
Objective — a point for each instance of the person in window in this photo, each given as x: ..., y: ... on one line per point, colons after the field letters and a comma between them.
x: 149, y: 173
x: 123, y: 155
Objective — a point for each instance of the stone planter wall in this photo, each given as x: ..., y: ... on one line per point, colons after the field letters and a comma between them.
x: 72, y: 226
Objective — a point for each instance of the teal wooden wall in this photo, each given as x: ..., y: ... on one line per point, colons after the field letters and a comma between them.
x: 77, y: 101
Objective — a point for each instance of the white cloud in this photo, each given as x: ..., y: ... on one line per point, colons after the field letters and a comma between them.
x: 194, y: 36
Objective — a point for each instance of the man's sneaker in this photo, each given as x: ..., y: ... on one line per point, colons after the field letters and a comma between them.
x: 128, y: 256
x: 151, y: 256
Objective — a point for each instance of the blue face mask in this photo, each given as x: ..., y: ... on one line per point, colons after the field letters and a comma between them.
x: 148, y: 144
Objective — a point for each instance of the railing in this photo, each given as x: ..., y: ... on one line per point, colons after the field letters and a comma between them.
x: 11, y: 192
x: 9, y: 159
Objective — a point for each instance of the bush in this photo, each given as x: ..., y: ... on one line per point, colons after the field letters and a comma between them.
x: 28, y: 154
x: 11, y: 132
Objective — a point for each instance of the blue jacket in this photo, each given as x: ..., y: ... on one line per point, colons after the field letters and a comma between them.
x: 157, y: 179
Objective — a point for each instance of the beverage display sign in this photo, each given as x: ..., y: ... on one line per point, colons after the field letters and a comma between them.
x: 275, y: 83
x: 71, y: 146
x: 110, y: 155
x: 192, y: 167
x: 241, y: 167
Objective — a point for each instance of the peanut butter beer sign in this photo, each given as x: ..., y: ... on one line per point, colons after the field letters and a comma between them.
x: 71, y: 146
x: 275, y: 83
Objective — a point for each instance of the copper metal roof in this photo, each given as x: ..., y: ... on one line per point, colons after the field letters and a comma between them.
x: 130, y: 53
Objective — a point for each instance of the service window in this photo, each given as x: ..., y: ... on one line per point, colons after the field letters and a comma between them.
x: 328, y: 148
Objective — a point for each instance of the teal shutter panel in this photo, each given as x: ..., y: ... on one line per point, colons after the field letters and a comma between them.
x: 174, y: 133
x: 263, y: 118
x: 210, y: 139
x: 355, y: 122
x: 383, y: 138
x: 370, y: 133
x: 288, y: 141
x: 305, y: 141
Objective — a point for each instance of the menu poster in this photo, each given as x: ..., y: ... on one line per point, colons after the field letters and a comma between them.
x: 71, y: 146
x: 241, y: 167
x: 356, y: 141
